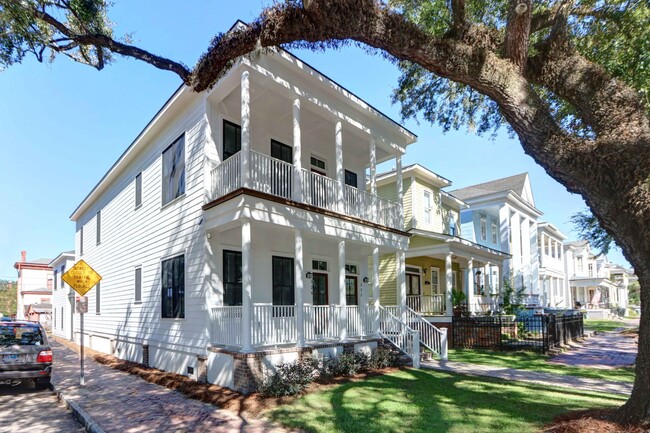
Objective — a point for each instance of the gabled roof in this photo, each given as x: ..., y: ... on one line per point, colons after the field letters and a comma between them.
x: 516, y: 184
x: 418, y: 171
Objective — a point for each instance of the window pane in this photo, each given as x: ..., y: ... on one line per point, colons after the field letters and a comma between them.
x: 138, y: 190
x: 174, y: 171
x: 231, y: 139
x: 99, y: 227
x: 351, y: 178
x: 232, y: 278
x: 283, y: 289
x: 138, y: 284
x: 97, y: 298
x: 81, y: 241
x: 173, y: 288
x: 281, y: 151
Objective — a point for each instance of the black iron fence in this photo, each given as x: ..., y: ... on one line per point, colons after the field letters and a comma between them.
x: 539, y: 332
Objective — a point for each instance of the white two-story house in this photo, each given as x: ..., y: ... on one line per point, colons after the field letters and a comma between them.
x: 63, y: 297
x: 553, y: 281
x: 236, y: 231
x: 501, y: 214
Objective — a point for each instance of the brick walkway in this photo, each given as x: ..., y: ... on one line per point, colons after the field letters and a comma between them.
x: 121, y: 402
x: 608, y: 350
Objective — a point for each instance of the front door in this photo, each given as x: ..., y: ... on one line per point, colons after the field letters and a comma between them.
x: 319, y: 289
x: 351, y: 291
x: 413, y: 284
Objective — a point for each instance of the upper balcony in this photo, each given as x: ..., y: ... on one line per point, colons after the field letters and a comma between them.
x: 278, y: 178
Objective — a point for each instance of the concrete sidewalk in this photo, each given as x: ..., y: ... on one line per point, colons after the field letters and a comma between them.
x: 114, y: 401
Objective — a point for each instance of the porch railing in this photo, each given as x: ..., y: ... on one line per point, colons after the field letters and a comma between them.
x: 273, y: 176
x: 400, y: 335
x: 432, y: 304
x: 226, y: 325
x: 273, y: 324
x: 322, y: 322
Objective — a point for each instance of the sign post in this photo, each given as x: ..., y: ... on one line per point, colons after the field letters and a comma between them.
x: 81, y: 277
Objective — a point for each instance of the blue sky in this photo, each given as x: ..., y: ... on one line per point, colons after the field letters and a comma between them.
x: 64, y: 124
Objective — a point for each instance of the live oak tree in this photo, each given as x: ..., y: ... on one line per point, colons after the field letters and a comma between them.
x: 570, y: 78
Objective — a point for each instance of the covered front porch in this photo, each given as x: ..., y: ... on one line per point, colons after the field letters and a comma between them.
x: 593, y: 293
x: 436, y: 264
x: 277, y: 287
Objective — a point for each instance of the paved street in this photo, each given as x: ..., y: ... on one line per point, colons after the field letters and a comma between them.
x: 608, y: 350
x: 24, y: 409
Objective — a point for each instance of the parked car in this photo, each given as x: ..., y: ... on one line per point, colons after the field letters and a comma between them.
x: 25, y: 354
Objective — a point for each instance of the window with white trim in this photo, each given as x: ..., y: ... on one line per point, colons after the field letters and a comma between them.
x: 428, y: 205
x: 494, y: 233
x: 173, y: 288
x: 483, y: 228
x: 173, y: 176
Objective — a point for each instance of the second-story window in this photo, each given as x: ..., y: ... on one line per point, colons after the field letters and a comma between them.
x: 318, y: 165
x: 56, y: 279
x: 81, y: 241
x: 173, y: 176
x: 591, y: 269
x: 99, y: 227
x: 483, y: 228
x: 427, y: 207
x: 281, y: 151
x: 138, y: 190
x: 231, y: 139
x: 494, y: 233
x: 452, y: 225
x: 351, y: 178
x: 579, y: 264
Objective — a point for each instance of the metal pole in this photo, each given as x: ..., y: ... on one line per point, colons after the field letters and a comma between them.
x: 81, y: 372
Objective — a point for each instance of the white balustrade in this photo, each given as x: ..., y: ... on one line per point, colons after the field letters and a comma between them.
x: 226, y: 177
x: 226, y: 326
x: 273, y: 324
x: 432, y: 304
x: 322, y: 322
x: 400, y: 334
x: 271, y: 175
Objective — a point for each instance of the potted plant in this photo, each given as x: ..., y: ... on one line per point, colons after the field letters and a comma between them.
x: 458, y: 302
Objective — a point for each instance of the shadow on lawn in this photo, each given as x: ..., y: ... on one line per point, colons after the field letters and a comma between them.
x: 418, y: 401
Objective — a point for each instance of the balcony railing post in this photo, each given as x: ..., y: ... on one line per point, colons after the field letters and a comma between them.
x: 245, y: 129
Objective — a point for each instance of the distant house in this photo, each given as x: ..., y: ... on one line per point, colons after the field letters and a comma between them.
x: 439, y: 258
x: 41, y: 313
x: 63, y: 297
x: 553, y: 281
x: 622, y: 278
x: 34, y: 285
x: 501, y: 214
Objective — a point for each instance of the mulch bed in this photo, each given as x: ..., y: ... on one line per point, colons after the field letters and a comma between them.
x: 250, y: 405
x: 589, y: 421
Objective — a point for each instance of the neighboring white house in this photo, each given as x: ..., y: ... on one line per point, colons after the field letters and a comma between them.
x: 594, y: 282
x: 235, y: 232
x: 553, y: 281
x: 34, y: 286
x: 63, y: 297
x: 501, y: 215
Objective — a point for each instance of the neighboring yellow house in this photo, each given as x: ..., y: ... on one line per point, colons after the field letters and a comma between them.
x: 438, y: 258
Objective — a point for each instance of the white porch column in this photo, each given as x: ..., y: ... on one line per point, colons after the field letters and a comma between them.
x: 448, y: 285
x: 401, y: 282
x: 340, y: 174
x: 245, y: 129
x: 400, y: 188
x: 375, y: 287
x: 299, y: 288
x: 373, y: 179
x: 499, y: 285
x: 551, y: 291
x: 342, y: 300
x: 542, y: 249
x: 470, y: 285
x: 247, y: 290
x: 297, y: 153
x: 515, y: 232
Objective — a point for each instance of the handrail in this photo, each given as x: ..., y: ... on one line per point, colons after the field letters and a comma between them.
x: 400, y: 335
x: 431, y: 337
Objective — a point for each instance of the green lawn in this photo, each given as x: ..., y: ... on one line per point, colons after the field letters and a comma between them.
x: 603, y: 325
x: 537, y: 362
x: 413, y: 401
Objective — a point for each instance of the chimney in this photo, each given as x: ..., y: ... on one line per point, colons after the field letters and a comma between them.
x: 23, y: 256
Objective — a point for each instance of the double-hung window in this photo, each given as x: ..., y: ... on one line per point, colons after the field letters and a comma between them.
x: 483, y: 229
x: 428, y: 202
x: 138, y: 190
x: 98, y: 298
x: 173, y: 178
x: 99, y: 227
x: 232, y: 278
x: 173, y: 288
x: 137, y: 297
x: 283, y: 289
x: 351, y: 178
x: 494, y: 233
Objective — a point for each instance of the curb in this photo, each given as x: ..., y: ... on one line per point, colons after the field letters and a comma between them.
x: 77, y: 411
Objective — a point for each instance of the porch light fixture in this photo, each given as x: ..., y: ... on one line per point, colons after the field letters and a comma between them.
x: 308, y: 275
x: 427, y: 283
x: 366, y: 280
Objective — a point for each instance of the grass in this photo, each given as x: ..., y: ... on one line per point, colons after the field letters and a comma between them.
x: 537, y: 362
x: 603, y: 325
x: 434, y: 401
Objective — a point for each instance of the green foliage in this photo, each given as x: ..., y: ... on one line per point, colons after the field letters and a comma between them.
x: 633, y: 293
x: 612, y: 33
x: 589, y: 228
x: 290, y: 378
x: 512, y: 298
x: 457, y: 298
x: 23, y: 33
x: 8, y: 298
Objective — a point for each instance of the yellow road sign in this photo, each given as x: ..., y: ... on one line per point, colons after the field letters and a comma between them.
x: 81, y: 277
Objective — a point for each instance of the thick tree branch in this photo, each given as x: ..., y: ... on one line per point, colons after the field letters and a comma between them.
x: 458, y: 13
x: 101, y: 41
x: 515, y: 45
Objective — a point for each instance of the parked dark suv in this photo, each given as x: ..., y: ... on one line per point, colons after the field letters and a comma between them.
x: 25, y: 354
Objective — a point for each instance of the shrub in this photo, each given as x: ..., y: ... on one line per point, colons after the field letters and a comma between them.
x: 383, y: 358
x: 290, y: 378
